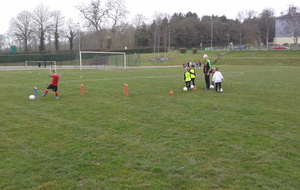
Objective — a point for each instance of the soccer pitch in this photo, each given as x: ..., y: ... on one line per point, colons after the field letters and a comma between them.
x: 244, y: 138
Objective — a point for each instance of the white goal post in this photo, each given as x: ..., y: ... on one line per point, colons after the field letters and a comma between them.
x: 101, y: 58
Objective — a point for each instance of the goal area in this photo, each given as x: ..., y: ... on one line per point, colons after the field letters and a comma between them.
x: 44, y: 64
x: 41, y: 64
x: 93, y: 59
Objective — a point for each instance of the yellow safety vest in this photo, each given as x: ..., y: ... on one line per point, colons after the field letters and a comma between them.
x: 187, y: 76
x: 192, y: 73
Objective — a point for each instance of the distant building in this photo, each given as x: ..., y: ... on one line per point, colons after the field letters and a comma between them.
x: 287, y: 27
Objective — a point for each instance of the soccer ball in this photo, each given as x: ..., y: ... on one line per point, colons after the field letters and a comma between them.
x: 212, y: 86
x: 192, y: 86
x: 31, y: 97
x: 221, y: 90
x: 185, y: 88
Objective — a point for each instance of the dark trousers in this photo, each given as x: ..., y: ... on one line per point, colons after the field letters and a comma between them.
x: 193, y: 81
x: 207, y: 81
x: 218, y: 86
x: 188, y: 84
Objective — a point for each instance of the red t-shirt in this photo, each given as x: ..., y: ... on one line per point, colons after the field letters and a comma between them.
x: 55, y: 79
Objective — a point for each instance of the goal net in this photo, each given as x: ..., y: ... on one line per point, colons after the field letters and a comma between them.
x: 41, y: 64
x: 93, y: 59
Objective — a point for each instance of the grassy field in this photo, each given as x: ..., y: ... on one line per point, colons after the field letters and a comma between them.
x: 244, y: 138
x: 260, y: 58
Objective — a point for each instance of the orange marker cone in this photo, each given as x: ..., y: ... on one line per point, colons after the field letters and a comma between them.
x: 171, y: 91
x: 125, y: 89
x: 82, y: 89
x: 195, y: 88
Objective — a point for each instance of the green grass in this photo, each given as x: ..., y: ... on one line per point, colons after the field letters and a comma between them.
x: 237, y: 57
x: 244, y: 138
x: 176, y: 58
x: 261, y: 58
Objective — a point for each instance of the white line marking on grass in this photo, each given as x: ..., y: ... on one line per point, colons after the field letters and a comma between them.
x: 234, y: 73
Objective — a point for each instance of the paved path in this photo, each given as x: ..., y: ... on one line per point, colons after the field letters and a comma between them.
x: 12, y: 68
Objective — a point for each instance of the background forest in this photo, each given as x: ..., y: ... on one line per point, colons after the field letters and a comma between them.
x: 105, y: 28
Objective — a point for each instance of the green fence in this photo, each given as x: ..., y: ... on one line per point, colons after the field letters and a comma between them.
x: 133, y: 59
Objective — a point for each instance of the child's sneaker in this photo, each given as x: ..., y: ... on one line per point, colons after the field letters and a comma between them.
x: 44, y: 95
x: 56, y: 97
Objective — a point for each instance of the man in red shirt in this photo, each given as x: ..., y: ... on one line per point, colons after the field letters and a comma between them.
x: 53, y: 85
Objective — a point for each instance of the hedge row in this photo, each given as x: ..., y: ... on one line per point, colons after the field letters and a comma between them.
x: 36, y: 57
x: 17, y: 58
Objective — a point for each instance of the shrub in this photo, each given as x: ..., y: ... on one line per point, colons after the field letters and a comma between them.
x: 194, y: 50
x: 182, y: 50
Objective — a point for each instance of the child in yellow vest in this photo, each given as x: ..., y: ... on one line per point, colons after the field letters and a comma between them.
x: 193, y: 75
x: 187, y: 78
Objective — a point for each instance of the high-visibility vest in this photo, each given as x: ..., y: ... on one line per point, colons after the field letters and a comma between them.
x: 192, y: 71
x: 187, y: 76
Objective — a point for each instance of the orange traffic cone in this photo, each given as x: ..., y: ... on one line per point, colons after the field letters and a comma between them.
x: 171, y: 91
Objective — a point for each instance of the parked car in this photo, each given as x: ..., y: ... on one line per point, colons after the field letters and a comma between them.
x: 280, y: 47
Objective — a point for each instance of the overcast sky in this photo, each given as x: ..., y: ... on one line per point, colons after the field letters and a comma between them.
x: 148, y: 8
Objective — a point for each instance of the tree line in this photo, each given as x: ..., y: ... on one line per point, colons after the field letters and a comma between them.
x: 106, y: 28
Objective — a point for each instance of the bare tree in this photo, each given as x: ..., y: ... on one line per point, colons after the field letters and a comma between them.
x: 117, y: 13
x: 157, y: 32
x: 250, y: 27
x: 104, y: 19
x: 138, y: 20
x: 71, y: 33
x: 267, y: 23
x: 42, y: 24
x: 94, y: 13
x: 241, y: 18
x: 124, y: 37
x: 2, y: 39
x: 164, y: 29
x: 20, y: 27
x: 294, y: 22
x: 58, y: 22
x: 116, y: 16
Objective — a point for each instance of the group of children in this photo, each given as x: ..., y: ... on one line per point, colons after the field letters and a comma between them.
x: 190, y: 75
x: 190, y: 64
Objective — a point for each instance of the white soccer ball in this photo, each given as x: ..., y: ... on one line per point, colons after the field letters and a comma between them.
x: 212, y: 86
x: 185, y: 89
x: 221, y: 90
x: 192, y: 86
x: 31, y: 97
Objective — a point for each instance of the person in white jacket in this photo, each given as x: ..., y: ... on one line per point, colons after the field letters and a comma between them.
x: 217, y: 80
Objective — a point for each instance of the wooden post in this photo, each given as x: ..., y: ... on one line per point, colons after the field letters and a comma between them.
x: 125, y: 89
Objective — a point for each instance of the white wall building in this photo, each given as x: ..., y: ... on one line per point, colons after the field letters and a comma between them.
x: 287, y: 28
